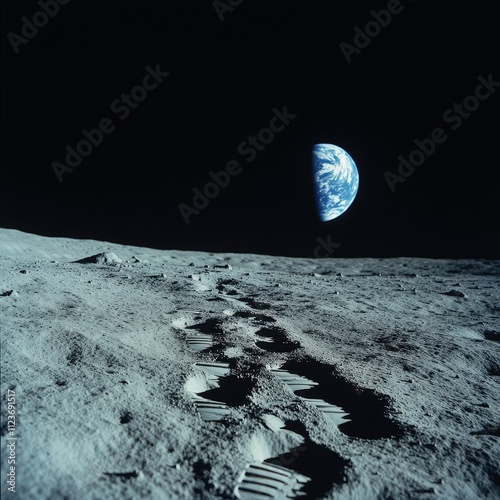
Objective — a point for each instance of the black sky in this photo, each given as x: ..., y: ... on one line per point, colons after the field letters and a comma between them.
x: 225, y: 79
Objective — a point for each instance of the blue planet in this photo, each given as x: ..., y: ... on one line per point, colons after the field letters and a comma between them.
x: 336, y: 180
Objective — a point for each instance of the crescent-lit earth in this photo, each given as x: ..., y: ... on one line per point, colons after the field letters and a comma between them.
x: 336, y: 180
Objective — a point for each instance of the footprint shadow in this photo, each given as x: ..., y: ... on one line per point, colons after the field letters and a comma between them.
x: 275, y: 340
x: 361, y: 413
x: 204, y: 337
x: 262, y: 318
x: 322, y: 466
x: 308, y: 470
x: 232, y: 391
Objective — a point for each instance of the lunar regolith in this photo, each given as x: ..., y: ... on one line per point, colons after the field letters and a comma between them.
x: 142, y: 373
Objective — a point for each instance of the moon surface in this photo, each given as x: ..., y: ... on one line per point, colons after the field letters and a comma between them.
x: 336, y: 180
x: 142, y: 373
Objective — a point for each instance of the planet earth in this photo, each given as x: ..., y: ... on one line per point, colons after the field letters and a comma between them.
x: 336, y: 180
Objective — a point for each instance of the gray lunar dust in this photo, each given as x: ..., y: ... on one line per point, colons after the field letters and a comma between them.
x: 143, y: 373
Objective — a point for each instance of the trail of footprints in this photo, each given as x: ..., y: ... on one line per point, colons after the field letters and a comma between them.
x: 308, y: 469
